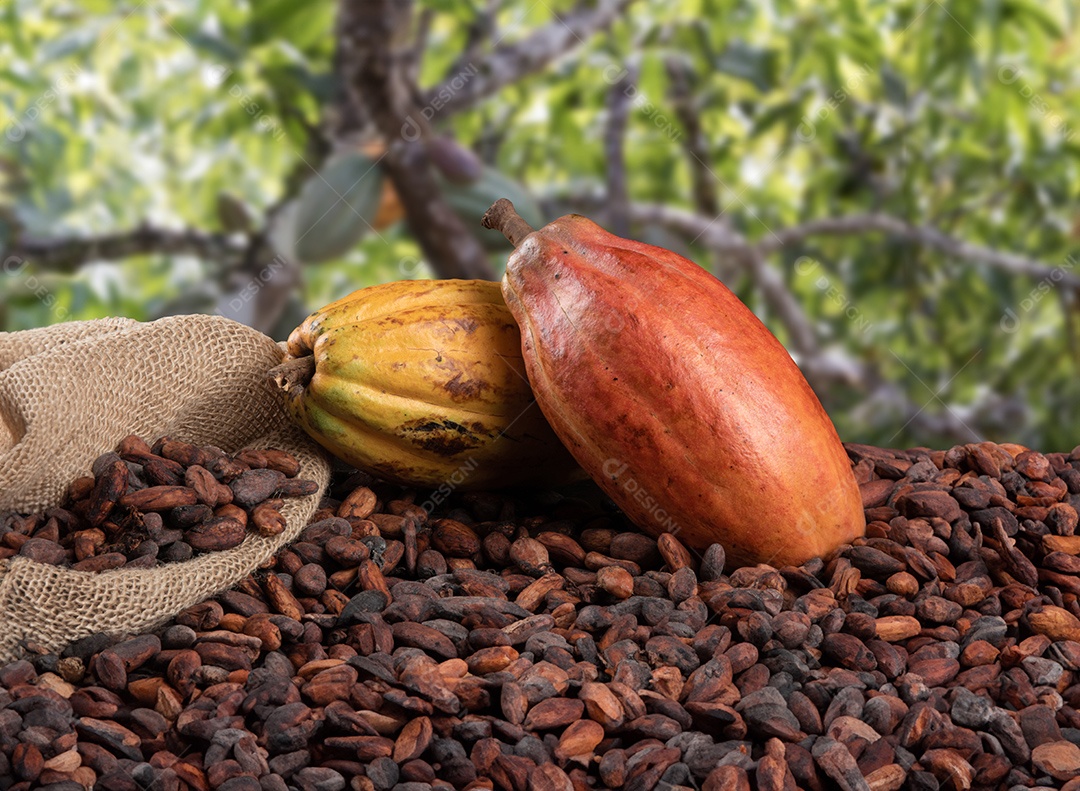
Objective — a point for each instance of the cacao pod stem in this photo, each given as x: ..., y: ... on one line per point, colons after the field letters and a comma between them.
x: 502, y: 217
x: 293, y: 374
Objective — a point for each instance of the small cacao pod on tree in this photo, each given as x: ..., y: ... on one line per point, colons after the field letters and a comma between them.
x: 457, y: 164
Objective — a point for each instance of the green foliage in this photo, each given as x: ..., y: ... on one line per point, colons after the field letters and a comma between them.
x: 964, y: 116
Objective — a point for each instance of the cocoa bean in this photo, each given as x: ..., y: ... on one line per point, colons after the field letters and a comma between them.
x: 296, y: 487
x: 159, y: 498
x: 103, y: 562
x: 110, y: 483
x: 454, y: 539
x: 488, y: 648
x: 109, y: 670
x: 162, y: 472
x: 215, y: 534
x: 267, y: 520
x: 42, y: 550
x: 281, y: 461
x: 530, y: 556
x: 183, y: 453
x: 359, y: 504
x: 138, y: 538
x: 203, y: 483
x: 253, y: 486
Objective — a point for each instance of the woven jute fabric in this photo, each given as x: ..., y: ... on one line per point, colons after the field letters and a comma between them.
x: 69, y: 393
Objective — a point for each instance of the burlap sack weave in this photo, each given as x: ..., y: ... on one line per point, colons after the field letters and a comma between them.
x: 69, y: 393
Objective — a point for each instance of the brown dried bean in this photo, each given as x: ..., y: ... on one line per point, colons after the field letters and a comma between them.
x: 183, y: 485
x: 491, y: 667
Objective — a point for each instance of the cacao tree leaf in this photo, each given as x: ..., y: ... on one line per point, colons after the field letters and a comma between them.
x: 300, y: 23
x: 894, y: 86
x: 756, y: 65
x: 1033, y: 13
x: 73, y: 42
x: 217, y: 47
x: 790, y: 112
x: 464, y: 12
x: 470, y: 202
x: 336, y: 207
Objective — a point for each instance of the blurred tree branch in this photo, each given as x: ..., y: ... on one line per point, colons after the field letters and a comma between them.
x: 922, y: 235
x: 269, y: 304
x: 681, y: 80
x: 68, y: 254
x: 687, y: 110
x: 509, y: 63
x: 377, y: 57
x: 619, y: 98
x: 375, y: 53
x: 719, y: 236
x: 481, y: 29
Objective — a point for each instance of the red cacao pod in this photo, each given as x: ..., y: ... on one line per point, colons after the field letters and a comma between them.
x: 674, y: 397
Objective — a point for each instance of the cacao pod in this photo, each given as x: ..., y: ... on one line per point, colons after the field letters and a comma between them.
x: 674, y: 397
x: 390, y: 210
x: 337, y: 207
x: 458, y: 164
x: 421, y: 382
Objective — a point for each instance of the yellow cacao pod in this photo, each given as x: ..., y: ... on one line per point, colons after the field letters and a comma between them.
x: 421, y: 382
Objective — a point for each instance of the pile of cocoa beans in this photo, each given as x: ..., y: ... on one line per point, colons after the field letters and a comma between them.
x: 538, y: 643
x: 149, y: 504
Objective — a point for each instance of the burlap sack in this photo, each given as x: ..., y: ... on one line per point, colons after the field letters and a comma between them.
x: 69, y: 393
